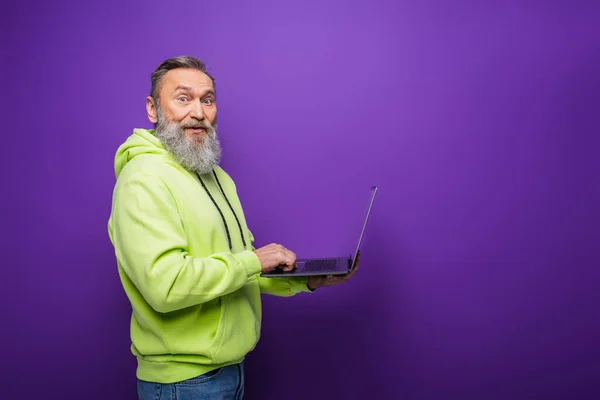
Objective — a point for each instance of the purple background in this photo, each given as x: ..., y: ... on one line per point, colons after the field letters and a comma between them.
x: 480, y: 274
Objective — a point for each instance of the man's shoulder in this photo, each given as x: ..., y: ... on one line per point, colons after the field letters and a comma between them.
x: 147, y: 166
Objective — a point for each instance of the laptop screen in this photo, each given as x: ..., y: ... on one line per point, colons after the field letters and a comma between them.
x: 372, y: 194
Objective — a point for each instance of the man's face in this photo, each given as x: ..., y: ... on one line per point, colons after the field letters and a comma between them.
x: 186, y: 97
x: 185, y: 119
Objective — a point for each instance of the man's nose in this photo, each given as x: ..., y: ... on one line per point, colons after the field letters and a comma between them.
x: 197, y: 111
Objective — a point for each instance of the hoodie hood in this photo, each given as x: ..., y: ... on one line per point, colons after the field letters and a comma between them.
x: 142, y: 141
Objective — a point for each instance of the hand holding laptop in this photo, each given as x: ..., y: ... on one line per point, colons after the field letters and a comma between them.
x: 318, y: 281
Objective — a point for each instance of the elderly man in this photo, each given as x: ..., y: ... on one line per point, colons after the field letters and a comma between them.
x: 185, y: 255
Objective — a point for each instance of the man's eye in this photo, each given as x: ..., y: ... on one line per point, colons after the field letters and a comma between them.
x: 208, y: 101
x: 182, y: 99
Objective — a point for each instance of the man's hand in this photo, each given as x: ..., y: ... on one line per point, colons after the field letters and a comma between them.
x: 275, y: 255
x: 317, y: 281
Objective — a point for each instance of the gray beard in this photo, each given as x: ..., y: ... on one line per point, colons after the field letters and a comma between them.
x: 199, y: 154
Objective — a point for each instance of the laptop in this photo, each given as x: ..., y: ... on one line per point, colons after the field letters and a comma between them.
x: 325, y: 266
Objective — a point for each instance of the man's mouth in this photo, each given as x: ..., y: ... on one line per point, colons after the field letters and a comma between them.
x: 196, y: 129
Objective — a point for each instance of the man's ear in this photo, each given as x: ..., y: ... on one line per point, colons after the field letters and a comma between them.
x: 151, y: 110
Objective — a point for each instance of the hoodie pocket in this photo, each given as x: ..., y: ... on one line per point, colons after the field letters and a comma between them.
x: 239, y: 324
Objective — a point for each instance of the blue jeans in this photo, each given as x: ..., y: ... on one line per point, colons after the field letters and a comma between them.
x: 226, y: 383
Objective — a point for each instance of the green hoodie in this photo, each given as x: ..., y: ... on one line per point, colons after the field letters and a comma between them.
x: 196, y: 303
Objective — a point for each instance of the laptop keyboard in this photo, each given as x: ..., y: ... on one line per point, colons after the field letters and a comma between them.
x: 319, y: 265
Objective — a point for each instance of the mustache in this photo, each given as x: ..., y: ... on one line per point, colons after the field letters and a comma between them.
x: 196, y: 125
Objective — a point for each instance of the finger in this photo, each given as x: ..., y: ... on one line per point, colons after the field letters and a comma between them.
x: 349, y: 275
x: 286, y: 258
x: 290, y: 257
x: 288, y: 268
x: 354, y: 271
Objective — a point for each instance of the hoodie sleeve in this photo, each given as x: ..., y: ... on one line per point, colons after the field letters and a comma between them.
x: 284, y: 287
x: 150, y: 245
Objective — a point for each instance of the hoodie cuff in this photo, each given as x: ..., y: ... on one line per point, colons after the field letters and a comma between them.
x: 299, y: 284
x: 250, y: 261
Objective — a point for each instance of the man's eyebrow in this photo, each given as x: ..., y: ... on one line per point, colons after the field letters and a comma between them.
x: 190, y: 89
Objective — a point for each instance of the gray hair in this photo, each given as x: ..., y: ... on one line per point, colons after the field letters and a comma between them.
x: 174, y: 63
